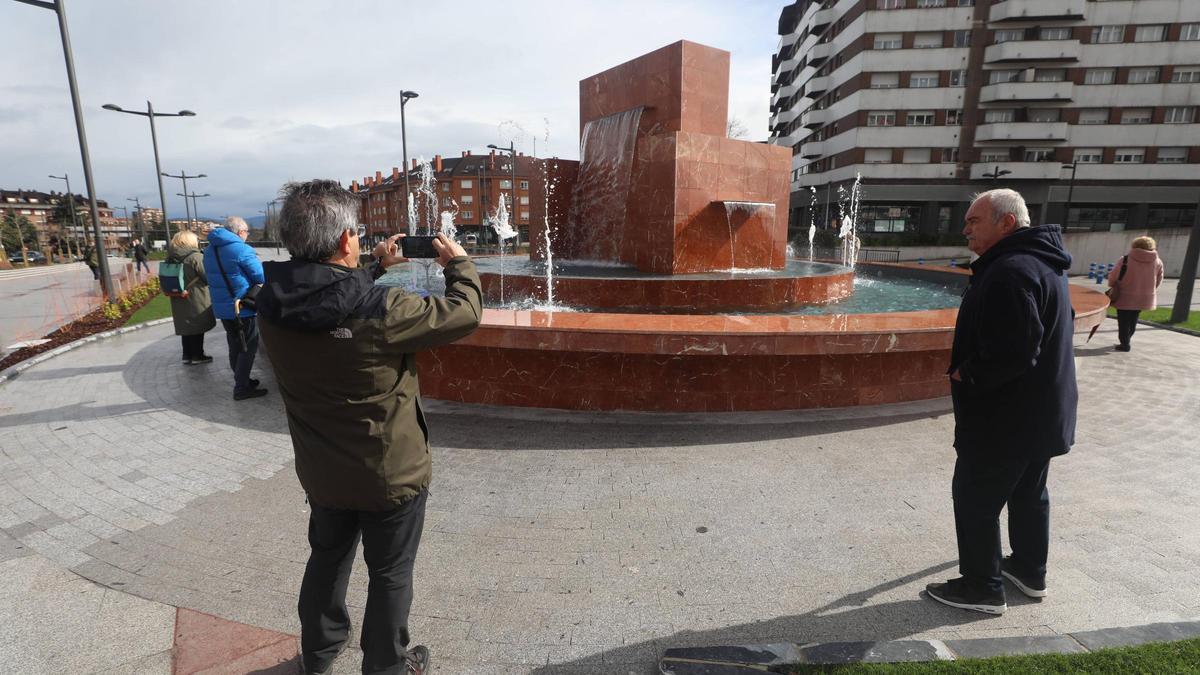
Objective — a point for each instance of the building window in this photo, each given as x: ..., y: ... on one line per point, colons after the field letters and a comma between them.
x: 962, y: 38
x: 1093, y: 116
x: 1050, y: 75
x: 1143, y: 75
x: 466, y: 215
x: 466, y: 184
x: 923, y: 80
x: 994, y: 156
x: 887, y: 41
x: 1088, y: 156
x: 1055, y: 33
x: 919, y: 118
x: 506, y: 184
x: 1096, y: 218
x: 949, y: 155
x: 1136, y: 116
x: 1189, y: 31
x: 927, y: 40
x: 953, y: 117
x: 524, y: 215
x: 889, y: 218
x: 446, y: 201
x: 881, y: 119
x: 916, y: 155
x: 524, y: 184
x: 878, y: 156
x: 468, y: 199
x: 1009, y: 35
x: 1185, y: 74
x: 1099, y: 76
x: 1171, y: 216
x: 958, y: 78
x: 1180, y: 116
x: 999, y: 76
x: 1108, y: 34
x: 524, y: 200
x: 1039, y: 154
x: 1130, y: 155
x: 885, y: 80
x: 1045, y: 114
x: 1150, y: 33
x: 999, y: 115
x: 925, y: 4
x: 445, y: 188
x: 890, y: 4
x: 1172, y: 155
x: 966, y: 3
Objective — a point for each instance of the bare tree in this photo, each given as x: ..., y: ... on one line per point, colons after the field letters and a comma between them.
x: 735, y: 128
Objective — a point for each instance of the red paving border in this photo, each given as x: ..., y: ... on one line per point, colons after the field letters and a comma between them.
x: 211, y: 645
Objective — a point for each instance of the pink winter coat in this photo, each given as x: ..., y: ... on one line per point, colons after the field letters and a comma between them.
x: 1140, y: 285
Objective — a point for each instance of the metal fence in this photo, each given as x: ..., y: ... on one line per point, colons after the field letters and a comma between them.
x: 864, y: 254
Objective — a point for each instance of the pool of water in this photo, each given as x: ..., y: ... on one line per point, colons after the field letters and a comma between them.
x: 872, y: 294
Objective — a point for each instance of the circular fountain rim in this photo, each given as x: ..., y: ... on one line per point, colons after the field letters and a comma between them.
x: 629, y: 272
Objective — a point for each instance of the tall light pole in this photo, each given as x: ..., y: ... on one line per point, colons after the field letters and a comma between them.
x: 150, y: 114
x: 71, y: 200
x: 997, y: 173
x: 512, y: 151
x: 405, y: 95
x: 184, y: 177
x: 1070, y: 193
x: 193, y: 197
x: 141, y: 221
x: 58, y: 7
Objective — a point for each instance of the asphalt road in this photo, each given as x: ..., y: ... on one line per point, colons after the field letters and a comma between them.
x: 37, y: 300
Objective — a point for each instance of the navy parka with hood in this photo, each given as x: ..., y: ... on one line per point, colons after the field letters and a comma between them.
x: 1013, y: 350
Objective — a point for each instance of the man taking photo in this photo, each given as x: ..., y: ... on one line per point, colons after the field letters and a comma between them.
x: 343, y: 350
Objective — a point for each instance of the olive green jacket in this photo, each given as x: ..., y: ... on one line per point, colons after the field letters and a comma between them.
x: 343, y: 353
x: 192, y: 315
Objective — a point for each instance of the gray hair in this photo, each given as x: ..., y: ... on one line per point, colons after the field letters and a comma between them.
x: 236, y: 224
x: 314, y: 216
x: 1004, y: 202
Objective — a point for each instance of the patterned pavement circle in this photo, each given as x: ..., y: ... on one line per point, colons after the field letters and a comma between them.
x: 589, y: 543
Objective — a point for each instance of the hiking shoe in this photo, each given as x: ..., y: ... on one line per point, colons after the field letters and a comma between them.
x: 249, y: 393
x: 418, y: 661
x: 956, y: 593
x: 203, y: 359
x: 1030, y: 586
x: 1121, y: 348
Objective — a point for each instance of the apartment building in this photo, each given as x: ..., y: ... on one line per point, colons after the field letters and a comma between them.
x: 471, y: 183
x: 38, y: 207
x: 1088, y: 107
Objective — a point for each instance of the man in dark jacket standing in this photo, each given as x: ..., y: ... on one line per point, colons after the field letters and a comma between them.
x: 1012, y: 381
x: 140, y: 256
x: 343, y: 350
x: 233, y: 268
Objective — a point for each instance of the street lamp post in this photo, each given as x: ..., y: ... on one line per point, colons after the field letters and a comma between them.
x: 150, y: 114
x: 405, y: 95
x: 141, y: 221
x: 71, y: 200
x: 1070, y: 194
x: 194, y: 197
x: 512, y: 151
x: 59, y: 8
x: 184, y: 177
x: 997, y: 173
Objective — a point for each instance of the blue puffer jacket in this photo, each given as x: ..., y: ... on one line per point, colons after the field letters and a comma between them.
x: 242, y: 268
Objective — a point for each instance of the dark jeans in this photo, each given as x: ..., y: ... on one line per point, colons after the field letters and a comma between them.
x: 141, y: 264
x: 95, y: 273
x: 1126, y: 323
x: 241, y: 359
x: 390, y: 540
x: 982, y: 486
x: 193, y: 346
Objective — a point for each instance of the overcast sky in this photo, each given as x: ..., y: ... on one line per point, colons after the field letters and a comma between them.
x: 300, y: 89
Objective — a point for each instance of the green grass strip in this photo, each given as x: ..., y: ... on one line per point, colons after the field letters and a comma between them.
x: 1163, y: 315
x: 1166, y: 658
x: 158, y: 308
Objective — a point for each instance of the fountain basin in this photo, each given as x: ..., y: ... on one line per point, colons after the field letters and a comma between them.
x: 625, y: 289
x: 705, y: 363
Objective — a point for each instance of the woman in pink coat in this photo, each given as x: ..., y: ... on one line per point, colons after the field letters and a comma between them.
x: 1138, y: 286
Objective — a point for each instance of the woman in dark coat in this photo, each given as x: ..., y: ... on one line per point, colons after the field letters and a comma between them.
x: 193, y: 315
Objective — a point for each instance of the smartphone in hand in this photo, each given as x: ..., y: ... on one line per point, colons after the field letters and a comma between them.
x: 417, y: 246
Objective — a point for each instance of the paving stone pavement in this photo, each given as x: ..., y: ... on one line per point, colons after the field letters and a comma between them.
x: 589, y: 543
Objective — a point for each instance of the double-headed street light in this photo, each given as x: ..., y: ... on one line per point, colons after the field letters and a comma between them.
x: 141, y: 220
x: 194, y: 197
x: 405, y: 95
x: 71, y: 200
x: 184, y: 177
x: 150, y: 114
x: 60, y: 10
x: 997, y: 173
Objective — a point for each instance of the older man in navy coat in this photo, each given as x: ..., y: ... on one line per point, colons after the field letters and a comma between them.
x: 1012, y: 380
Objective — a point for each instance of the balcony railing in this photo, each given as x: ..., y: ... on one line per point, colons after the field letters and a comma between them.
x: 813, y: 149
x: 1059, y: 92
x: 1037, y: 10
x: 820, y: 52
x: 1032, y: 50
x: 815, y: 86
x: 1002, y: 132
x: 814, y: 118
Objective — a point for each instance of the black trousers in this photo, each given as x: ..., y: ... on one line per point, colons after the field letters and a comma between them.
x: 1126, y: 323
x: 241, y: 357
x: 390, y: 540
x: 981, y: 488
x: 193, y: 346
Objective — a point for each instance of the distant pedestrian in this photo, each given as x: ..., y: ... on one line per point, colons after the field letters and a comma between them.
x: 1012, y: 381
x: 140, y: 255
x: 1133, y: 285
x: 344, y: 354
x: 192, y: 313
x: 92, y: 261
x: 235, y: 271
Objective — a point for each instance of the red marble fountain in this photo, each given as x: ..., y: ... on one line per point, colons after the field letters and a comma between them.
x: 694, y: 316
